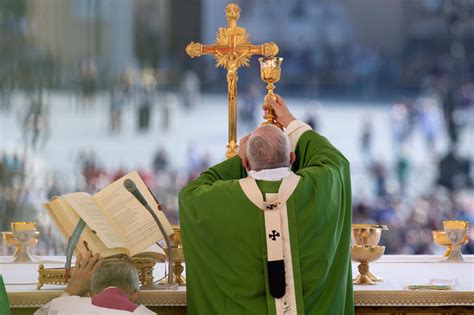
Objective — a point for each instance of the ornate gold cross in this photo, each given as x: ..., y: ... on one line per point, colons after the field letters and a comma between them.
x: 232, y: 50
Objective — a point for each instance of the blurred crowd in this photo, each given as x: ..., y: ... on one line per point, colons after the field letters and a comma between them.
x: 400, y: 195
x: 402, y: 198
x: 411, y: 204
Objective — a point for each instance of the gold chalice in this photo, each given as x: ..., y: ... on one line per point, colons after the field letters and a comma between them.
x: 270, y: 71
x: 456, y: 231
x: 440, y: 238
x: 367, y: 235
x: 364, y: 255
x: 23, y: 236
x: 178, y: 256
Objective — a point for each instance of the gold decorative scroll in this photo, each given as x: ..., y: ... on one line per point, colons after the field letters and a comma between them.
x: 56, y: 276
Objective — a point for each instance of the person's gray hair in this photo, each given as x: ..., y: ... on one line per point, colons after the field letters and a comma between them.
x: 122, y: 275
x: 268, y: 147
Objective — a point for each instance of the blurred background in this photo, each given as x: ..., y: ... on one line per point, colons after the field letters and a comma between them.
x: 92, y: 89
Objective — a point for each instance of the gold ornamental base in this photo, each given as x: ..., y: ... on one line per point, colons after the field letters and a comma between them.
x: 363, y: 278
x: 178, y: 269
x: 370, y: 275
x: 57, y: 276
x: 365, y: 255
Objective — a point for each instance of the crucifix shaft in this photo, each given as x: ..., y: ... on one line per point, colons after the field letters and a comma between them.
x: 232, y: 78
x: 232, y: 50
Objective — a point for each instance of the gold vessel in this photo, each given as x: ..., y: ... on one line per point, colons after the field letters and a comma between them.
x: 178, y: 256
x: 57, y: 276
x: 456, y: 231
x: 10, y: 240
x: 366, y: 236
x: 270, y: 72
x: 364, y: 255
x: 440, y: 239
x: 22, y: 237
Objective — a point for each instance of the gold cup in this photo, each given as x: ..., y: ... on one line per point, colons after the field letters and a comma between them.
x: 270, y: 72
x: 456, y: 231
x: 440, y: 239
x: 178, y: 256
x: 367, y: 235
x: 23, y: 236
x: 10, y: 239
x: 364, y: 255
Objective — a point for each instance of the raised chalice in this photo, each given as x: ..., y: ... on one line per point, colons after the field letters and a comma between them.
x: 270, y: 71
x: 456, y: 231
x: 367, y: 235
x: 22, y: 237
x: 441, y: 239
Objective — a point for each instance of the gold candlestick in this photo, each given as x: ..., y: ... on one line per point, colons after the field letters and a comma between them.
x: 178, y: 256
x: 270, y: 72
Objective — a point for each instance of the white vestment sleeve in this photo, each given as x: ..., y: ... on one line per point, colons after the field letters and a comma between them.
x: 44, y: 309
x: 294, y: 131
x: 142, y: 310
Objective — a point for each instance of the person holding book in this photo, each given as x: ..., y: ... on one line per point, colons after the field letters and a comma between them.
x: 114, y: 286
x: 268, y: 231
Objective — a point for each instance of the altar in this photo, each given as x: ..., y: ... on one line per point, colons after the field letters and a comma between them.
x: 388, y: 297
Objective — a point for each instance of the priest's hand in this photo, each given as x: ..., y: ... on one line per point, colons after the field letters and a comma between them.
x: 282, y: 114
x: 80, y: 281
x: 243, y: 149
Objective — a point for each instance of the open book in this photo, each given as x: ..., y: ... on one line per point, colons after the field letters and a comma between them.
x: 117, y: 223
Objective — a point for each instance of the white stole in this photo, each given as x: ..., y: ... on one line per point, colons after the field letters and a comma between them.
x: 277, y: 233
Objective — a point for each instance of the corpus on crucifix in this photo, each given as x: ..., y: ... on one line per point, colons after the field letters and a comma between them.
x: 232, y: 50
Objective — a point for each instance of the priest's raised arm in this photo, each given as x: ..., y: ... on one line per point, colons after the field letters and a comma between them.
x: 261, y: 238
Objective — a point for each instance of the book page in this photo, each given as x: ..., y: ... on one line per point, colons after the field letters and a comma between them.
x: 66, y: 219
x: 85, y: 206
x: 55, y: 218
x: 132, y: 220
x: 69, y: 219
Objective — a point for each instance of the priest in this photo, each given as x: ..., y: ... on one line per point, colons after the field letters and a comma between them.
x: 268, y: 231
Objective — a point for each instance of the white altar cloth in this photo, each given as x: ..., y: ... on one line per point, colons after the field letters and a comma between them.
x: 398, y: 271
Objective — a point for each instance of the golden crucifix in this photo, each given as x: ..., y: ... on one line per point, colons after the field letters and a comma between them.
x: 232, y: 50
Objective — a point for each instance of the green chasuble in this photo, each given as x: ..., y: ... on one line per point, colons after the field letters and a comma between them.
x: 224, y: 237
x: 4, y: 305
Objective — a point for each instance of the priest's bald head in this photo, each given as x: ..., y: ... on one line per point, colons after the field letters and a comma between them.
x: 267, y: 148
